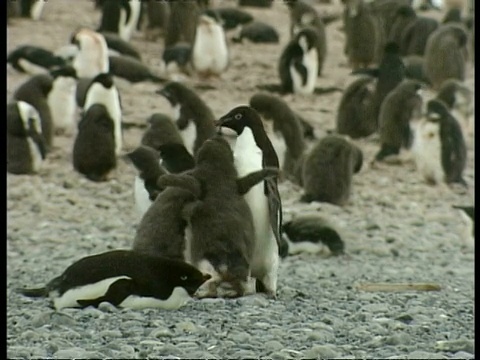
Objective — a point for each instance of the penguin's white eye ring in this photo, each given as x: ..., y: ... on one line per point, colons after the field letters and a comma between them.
x: 238, y: 116
x: 184, y: 278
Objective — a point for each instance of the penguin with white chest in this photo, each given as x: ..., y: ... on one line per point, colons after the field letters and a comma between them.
x: 254, y: 151
x: 439, y: 148
x: 124, y: 278
x: 192, y: 115
x: 25, y: 144
x: 102, y: 90
x: 120, y: 17
x: 91, y: 58
x: 298, y: 64
x: 61, y: 99
x: 210, y: 55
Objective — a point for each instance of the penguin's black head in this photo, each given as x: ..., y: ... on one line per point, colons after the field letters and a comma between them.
x: 105, y: 79
x: 436, y: 109
x: 186, y: 276
x: 262, y: 102
x: 143, y: 157
x: 406, y: 11
x: 171, y: 92
x: 239, y: 118
x: 64, y: 71
x: 453, y: 15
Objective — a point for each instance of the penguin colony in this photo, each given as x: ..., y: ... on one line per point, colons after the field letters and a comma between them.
x: 207, y: 182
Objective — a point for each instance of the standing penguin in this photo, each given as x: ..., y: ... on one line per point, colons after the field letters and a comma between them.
x: 193, y: 117
x: 25, y: 143
x: 439, y: 148
x: 210, y: 54
x: 222, y: 232
x: 445, y: 54
x: 253, y: 151
x: 287, y: 135
x: 124, y: 278
x: 364, y: 34
x: 182, y: 23
x: 61, y: 99
x: 353, y: 117
x: 327, y: 170
x: 158, y: 13
x: 304, y: 15
x: 102, y: 90
x: 399, y: 107
x: 31, y: 8
x: 35, y: 91
x: 120, y: 17
x: 298, y: 63
x: 94, y: 146
x: 92, y: 56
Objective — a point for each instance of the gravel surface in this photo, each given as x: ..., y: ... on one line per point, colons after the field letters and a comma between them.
x: 396, y: 229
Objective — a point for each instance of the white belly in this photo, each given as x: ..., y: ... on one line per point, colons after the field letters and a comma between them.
x: 36, y: 9
x: 126, y: 30
x: 189, y: 134
x: 427, y: 151
x: 210, y: 51
x: 62, y: 103
x: 142, y: 200
x: 177, y: 299
x: 35, y: 154
x: 310, y: 61
x: 31, y: 68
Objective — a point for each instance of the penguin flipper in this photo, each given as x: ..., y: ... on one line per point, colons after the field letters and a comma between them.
x: 116, y: 293
x: 184, y: 181
x: 366, y: 71
x: 275, y: 208
x: 36, y: 292
x: 244, y: 184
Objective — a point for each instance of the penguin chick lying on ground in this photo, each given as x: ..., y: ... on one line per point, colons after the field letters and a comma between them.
x: 222, y: 233
x: 124, y: 278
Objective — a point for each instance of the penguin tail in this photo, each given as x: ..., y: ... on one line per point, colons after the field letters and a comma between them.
x: 36, y: 292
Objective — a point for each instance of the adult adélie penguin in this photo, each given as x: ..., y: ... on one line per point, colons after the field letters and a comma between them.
x: 254, y: 151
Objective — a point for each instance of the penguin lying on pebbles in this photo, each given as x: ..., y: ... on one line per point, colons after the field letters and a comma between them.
x: 257, y: 32
x: 33, y: 59
x: 26, y: 147
x: 230, y: 17
x: 117, y: 44
x: 132, y: 70
x: 308, y: 233
x: 124, y: 278
x: 217, y: 246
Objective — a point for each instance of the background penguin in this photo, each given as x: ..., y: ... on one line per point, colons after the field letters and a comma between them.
x: 445, y: 54
x: 102, y: 90
x: 254, y: 151
x: 308, y: 233
x: 364, y: 35
x: 304, y: 15
x: 210, y: 55
x: 175, y: 158
x: 257, y: 32
x: 33, y: 59
x: 157, y: 14
x: 176, y: 59
x: 182, y: 23
x: 92, y: 56
x: 35, y: 91
x: 145, y: 191
x: 353, y: 115
x: 468, y: 212
x: 61, y: 99
x: 161, y: 130
x: 230, y: 17
x: 193, y: 117
x: 328, y: 169
x: 256, y: 3
x: 390, y: 72
x: 120, y: 17
x: 124, y: 278
x: 459, y: 101
x: 94, y: 145
x: 414, y: 68
x: 287, y: 137
x: 31, y: 9
x: 400, y: 106
x: 439, y: 148
x: 117, y: 44
x: 217, y: 246
x: 416, y: 34
x: 25, y: 143
x: 298, y: 63
x: 132, y: 70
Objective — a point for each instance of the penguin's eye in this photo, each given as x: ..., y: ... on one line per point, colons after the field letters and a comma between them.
x: 184, y: 278
x: 238, y: 116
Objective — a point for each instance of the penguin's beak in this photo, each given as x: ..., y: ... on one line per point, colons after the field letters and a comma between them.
x: 206, y: 277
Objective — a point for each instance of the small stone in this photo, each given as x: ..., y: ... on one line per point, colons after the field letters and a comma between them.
x: 425, y: 355
x: 67, y: 185
x: 462, y: 355
x: 456, y: 345
x: 107, y: 307
x: 240, y: 337
x: 405, y: 318
x: 273, y: 345
x: 111, y: 334
x: 161, y: 332
x: 375, y: 308
x: 390, y: 240
x: 253, y: 300
x: 187, y: 326
x: 322, y: 351
x: 72, y: 353
x: 321, y: 336
x: 397, y: 339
